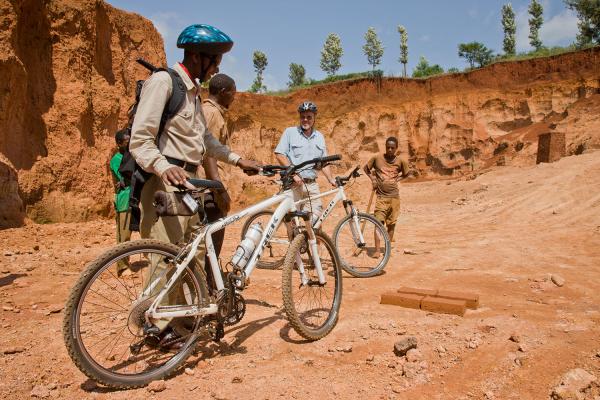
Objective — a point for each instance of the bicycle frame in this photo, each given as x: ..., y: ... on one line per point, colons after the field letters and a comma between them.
x: 286, y: 205
x: 340, y: 194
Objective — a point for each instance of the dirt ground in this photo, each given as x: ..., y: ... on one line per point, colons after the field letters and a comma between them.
x: 499, y: 235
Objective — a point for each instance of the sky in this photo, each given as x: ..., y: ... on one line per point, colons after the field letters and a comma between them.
x: 294, y: 31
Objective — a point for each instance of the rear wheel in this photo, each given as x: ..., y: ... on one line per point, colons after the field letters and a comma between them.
x: 369, y: 257
x: 276, y: 248
x: 103, y: 327
x: 312, y: 308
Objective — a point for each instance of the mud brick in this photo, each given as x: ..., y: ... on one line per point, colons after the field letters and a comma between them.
x: 402, y: 299
x: 472, y: 300
x: 422, y: 292
x: 443, y: 306
x: 551, y: 147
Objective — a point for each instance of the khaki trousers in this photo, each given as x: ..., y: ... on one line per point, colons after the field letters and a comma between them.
x: 123, y: 235
x: 175, y: 230
x: 314, y: 206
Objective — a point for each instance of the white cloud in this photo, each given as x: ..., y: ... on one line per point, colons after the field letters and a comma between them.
x: 164, y: 21
x: 272, y: 83
x: 557, y: 30
x: 424, y: 38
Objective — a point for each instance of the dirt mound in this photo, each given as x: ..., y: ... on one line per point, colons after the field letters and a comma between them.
x: 71, y: 74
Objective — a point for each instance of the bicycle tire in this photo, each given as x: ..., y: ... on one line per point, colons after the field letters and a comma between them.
x: 78, y: 351
x: 347, y: 253
x: 273, y: 254
x: 300, y: 320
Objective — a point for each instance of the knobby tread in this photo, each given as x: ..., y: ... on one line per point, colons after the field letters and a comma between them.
x: 386, y: 239
x: 288, y: 302
x: 73, y: 300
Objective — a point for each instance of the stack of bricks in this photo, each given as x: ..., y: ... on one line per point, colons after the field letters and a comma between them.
x: 433, y: 300
x: 551, y: 147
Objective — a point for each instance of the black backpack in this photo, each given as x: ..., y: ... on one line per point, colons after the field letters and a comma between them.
x: 132, y: 173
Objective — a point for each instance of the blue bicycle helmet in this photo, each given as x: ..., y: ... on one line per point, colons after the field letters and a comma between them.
x: 205, y: 39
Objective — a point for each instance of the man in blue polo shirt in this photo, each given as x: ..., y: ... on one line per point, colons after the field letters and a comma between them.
x: 301, y: 143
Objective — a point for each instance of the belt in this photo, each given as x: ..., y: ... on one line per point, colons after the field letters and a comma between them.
x: 189, y: 167
x: 309, y: 180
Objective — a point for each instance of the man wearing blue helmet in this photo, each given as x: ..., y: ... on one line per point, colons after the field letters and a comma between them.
x: 184, y: 138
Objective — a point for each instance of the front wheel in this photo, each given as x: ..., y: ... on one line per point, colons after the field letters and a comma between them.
x: 312, y: 307
x: 366, y: 257
x: 104, y: 325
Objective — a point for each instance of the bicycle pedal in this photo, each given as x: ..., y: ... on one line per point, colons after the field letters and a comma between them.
x: 219, y: 333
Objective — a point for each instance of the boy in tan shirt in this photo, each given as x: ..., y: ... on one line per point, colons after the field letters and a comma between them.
x: 385, y: 170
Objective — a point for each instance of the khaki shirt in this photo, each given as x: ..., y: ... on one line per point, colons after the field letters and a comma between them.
x: 185, y: 136
x: 215, y: 120
x: 387, y: 174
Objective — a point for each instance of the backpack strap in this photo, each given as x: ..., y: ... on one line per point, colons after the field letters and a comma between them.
x: 175, y: 101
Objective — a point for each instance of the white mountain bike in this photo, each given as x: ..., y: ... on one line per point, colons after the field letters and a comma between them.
x: 127, y: 330
x: 361, y: 241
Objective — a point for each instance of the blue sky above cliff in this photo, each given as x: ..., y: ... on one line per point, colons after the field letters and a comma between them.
x: 289, y: 31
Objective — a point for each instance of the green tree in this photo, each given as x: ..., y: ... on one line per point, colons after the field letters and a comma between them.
x: 510, y: 29
x: 535, y: 23
x: 588, y: 12
x: 373, y: 48
x: 424, y: 69
x: 331, y: 54
x: 475, y: 52
x: 259, y: 59
x: 297, y: 75
x: 403, y: 47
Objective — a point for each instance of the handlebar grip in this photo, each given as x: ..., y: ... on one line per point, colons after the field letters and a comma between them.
x: 335, y: 157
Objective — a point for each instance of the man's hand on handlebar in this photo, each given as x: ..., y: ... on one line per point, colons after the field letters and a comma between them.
x: 175, y: 176
x: 298, y: 181
x: 250, y: 167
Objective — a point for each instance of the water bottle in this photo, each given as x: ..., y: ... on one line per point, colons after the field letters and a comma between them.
x: 246, y: 247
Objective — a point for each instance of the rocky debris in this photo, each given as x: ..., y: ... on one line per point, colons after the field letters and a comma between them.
x: 441, y: 350
x: 344, y: 349
x: 13, y: 350
x: 40, y: 392
x: 410, y: 252
x: 473, y: 342
x: 413, y: 355
x: 157, y: 386
x: 572, y: 385
x: 237, y: 379
x: 406, y: 343
x: 189, y: 371
x: 522, y: 348
x: 370, y: 358
x: 89, y: 385
x: 460, y: 201
x: 557, y: 280
x: 54, y: 309
x: 515, y: 338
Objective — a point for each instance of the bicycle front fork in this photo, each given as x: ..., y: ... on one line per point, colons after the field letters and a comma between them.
x: 312, y: 249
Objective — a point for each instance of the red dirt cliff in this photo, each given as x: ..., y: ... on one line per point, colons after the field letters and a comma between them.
x: 69, y: 76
